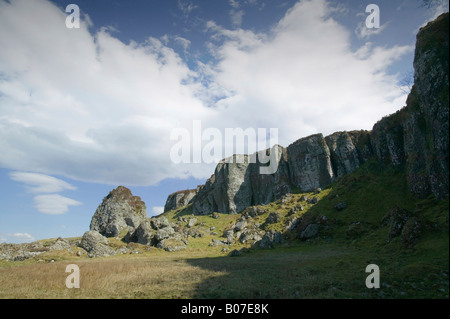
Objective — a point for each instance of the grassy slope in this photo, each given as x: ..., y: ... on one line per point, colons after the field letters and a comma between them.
x: 329, y: 266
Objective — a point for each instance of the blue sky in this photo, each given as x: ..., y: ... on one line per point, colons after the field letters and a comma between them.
x: 85, y: 110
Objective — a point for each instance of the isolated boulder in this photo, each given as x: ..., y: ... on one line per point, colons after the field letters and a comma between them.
x: 96, y: 244
x: 311, y: 231
x: 119, y: 212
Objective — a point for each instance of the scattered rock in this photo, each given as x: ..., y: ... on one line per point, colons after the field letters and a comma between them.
x: 396, y: 218
x: 303, y: 198
x: 411, y: 232
x: 235, y: 253
x: 159, y: 222
x: 311, y: 231
x: 192, y: 222
x: 340, y: 206
x: 273, y: 217
x: 291, y: 224
x: 270, y: 239
x: 60, y: 244
x: 240, y: 226
x: 216, y: 242
x: 172, y: 244
x: 215, y: 215
x: 250, y: 235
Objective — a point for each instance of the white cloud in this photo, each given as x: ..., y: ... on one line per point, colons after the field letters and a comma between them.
x: 303, y: 76
x: 89, y: 107
x: 54, y: 204
x: 16, y: 238
x: 40, y: 183
x: 362, y: 32
x: 186, y: 7
x: 236, y: 17
x: 234, y: 4
x: 157, y: 210
x: 185, y: 43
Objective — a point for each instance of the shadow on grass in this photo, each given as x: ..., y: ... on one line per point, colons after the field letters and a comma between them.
x: 321, y: 271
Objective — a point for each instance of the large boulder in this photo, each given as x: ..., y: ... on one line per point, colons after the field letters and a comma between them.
x: 119, y: 213
x: 310, y: 231
x: 96, y: 244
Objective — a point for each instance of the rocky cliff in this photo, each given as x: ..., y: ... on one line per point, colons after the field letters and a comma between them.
x: 180, y: 199
x: 415, y: 138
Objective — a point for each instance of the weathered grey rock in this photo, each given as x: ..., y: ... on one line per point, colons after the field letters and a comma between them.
x: 180, y: 199
x: 216, y: 242
x: 310, y: 163
x: 215, y: 215
x: 192, y: 222
x: 387, y: 139
x: 396, y: 218
x: 240, y: 226
x: 340, y: 206
x: 270, y: 239
x: 172, y: 244
x: 164, y: 233
x: 348, y: 150
x: 426, y: 128
x: 235, y: 253
x: 60, y: 244
x: 291, y: 224
x: 411, y: 232
x: 96, y: 244
x: 119, y: 211
x: 144, y: 234
x: 159, y: 222
x: 92, y: 238
x: 273, y: 217
x: 311, y: 231
x: 250, y: 236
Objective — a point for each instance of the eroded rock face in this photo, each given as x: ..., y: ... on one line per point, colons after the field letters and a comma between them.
x: 310, y: 163
x: 179, y: 199
x: 427, y: 129
x: 119, y: 211
x: 348, y: 151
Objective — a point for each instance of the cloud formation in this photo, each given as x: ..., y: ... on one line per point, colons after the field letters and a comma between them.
x: 40, y: 183
x: 89, y: 107
x: 52, y: 204
x: 16, y: 238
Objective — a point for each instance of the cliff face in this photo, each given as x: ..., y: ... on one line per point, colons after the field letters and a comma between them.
x: 180, y: 199
x: 415, y: 138
x: 307, y: 164
x: 426, y: 123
